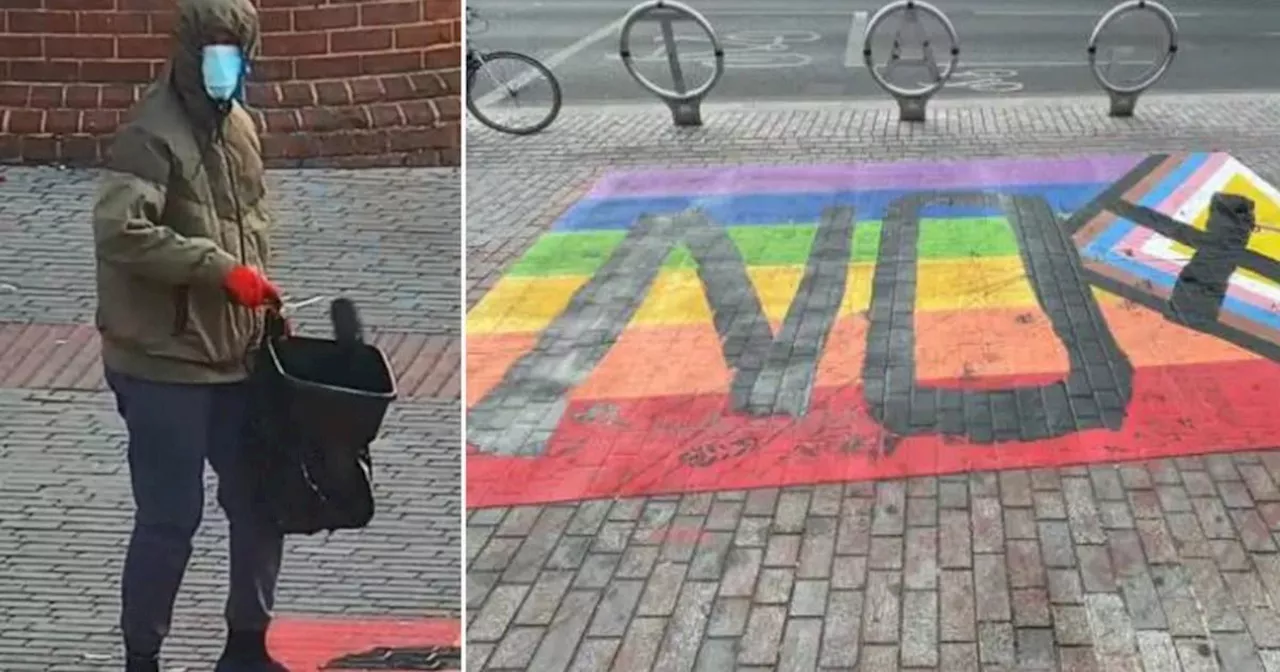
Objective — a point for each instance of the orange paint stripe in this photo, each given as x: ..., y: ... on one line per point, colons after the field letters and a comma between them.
x: 488, y: 359
x: 965, y: 347
x: 975, y: 344
x: 658, y: 361
x: 1151, y: 340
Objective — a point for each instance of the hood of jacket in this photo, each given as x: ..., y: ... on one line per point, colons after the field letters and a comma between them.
x: 200, y: 23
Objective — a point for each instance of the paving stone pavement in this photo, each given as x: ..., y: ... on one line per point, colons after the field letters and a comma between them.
x: 1158, y: 564
x: 389, y: 239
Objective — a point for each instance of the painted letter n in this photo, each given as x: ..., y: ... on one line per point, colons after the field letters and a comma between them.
x: 773, y: 375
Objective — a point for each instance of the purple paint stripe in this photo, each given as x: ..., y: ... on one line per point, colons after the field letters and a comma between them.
x: 864, y: 176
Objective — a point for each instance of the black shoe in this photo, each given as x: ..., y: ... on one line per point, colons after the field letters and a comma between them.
x: 246, y: 651
x: 134, y: 662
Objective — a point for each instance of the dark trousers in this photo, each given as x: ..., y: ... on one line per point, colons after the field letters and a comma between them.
x: 173, y: 429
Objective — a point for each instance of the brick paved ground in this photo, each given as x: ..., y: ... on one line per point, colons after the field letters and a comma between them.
x: 388, y: 239
x: 1168, y: 564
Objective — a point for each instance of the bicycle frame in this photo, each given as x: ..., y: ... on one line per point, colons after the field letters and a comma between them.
x: 475, y: 58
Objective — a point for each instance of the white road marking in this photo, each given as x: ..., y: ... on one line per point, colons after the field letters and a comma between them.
x: 1053, y: 13
x: 557, y: 59
x: 1082, y: 63
x: 610, y: 29
x: 853, y: 47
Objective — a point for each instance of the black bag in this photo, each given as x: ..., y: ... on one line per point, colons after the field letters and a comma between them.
x: 318, y: 404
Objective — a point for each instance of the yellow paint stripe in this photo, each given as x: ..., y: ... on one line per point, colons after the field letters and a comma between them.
x: 528, y: 304
x: 1266, y: 211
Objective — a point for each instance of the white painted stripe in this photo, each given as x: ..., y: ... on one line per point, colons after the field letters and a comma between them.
x: 853, y: 46
x: 1257, y: 286
x: 557, y: 59
x: 1216, y: 182
x: 1263, y: 186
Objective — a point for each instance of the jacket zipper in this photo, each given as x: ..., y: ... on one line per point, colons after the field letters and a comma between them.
x: 235, y: 203
x: 231, y: 183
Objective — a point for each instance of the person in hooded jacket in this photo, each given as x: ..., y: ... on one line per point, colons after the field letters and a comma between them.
x: 182, y: 244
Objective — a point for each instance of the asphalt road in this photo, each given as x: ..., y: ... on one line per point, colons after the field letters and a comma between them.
x: 811, y: 49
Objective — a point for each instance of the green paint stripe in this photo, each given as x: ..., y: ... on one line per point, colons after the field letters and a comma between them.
x: 582, y: 253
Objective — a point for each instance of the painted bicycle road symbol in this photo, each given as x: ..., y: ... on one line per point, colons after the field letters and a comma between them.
x: 983, y: 81
x: 747, y: 49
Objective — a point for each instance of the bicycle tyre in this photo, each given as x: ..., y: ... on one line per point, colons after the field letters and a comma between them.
x: 527, y: 60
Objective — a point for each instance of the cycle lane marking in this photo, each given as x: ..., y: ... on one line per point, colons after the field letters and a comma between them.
x: 985, y: 81
x: 853, y: 45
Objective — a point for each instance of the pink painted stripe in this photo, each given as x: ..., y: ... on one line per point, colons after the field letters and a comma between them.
x: 1139, y: 236
x: 1183, y: 193
x: 970, y: 174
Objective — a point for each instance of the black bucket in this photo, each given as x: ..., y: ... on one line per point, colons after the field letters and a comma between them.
x: 320, y: 404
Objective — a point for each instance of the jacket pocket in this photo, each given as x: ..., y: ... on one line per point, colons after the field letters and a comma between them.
x: 137, y: 313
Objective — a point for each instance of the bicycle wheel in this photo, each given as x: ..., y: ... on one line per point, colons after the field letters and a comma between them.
x: 507, y: 85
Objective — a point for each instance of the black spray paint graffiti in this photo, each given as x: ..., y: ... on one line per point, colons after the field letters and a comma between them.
x: 1201, y: 288
x: 774, y: 375
x: 1220, y: 250
x: 400, y: 659
x: 1096, y: 389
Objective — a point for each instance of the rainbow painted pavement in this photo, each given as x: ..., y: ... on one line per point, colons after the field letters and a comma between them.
x: 727, y: 328
x: 315, y: 644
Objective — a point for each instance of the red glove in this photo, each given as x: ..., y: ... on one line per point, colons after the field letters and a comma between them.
x: 250, y: 288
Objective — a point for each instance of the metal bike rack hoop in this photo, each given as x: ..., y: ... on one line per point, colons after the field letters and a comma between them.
x: 1125, y: 98
x: 685, y: 103
x: 911, y: 102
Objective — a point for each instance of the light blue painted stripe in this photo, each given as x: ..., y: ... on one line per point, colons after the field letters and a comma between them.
x: 1121, y: 228
x: 1173, y: 180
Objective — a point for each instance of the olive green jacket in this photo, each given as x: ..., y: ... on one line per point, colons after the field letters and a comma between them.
x: 182, y: 202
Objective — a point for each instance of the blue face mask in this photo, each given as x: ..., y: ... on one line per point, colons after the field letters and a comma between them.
x: 224, y: 70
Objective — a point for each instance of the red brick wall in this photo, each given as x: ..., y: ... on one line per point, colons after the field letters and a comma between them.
x: 340, y: 82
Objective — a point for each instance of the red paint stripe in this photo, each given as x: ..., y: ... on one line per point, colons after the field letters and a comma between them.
x: 1175, y: 411
x: 306, y: 644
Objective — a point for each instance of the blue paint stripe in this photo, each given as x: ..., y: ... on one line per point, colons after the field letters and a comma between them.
x: 1167, y: 280
x: 800, y: 208
x: 1173, y: 180
x: 1102, y: 243
x: 1121, y: 228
